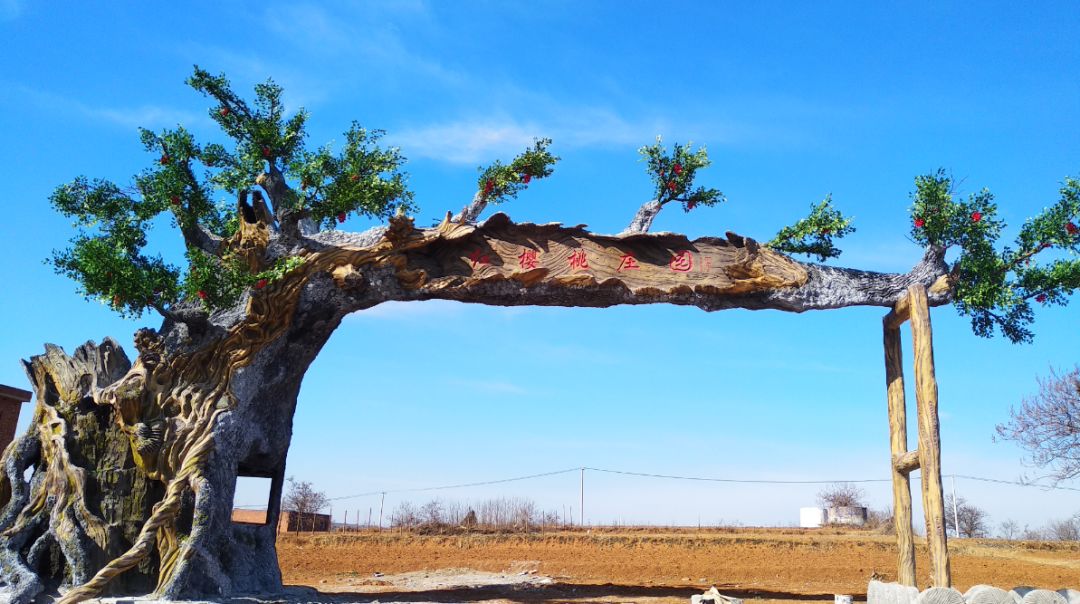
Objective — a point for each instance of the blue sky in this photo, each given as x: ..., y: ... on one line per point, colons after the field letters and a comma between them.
x: 794, y: 101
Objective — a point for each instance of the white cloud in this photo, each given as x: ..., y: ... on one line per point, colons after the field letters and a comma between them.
x: 148, y: 116
x: 473, y: 140
x: 490, y: 386
x: 309, y: 26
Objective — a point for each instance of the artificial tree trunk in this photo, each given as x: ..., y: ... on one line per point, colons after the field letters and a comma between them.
x: 206, y: 401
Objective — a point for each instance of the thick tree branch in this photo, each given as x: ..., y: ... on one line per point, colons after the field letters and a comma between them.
x: 195, y: 235
x: 472, y: 211
x: 643, y: 220
x: 288, y: 218
x: 508, y: 264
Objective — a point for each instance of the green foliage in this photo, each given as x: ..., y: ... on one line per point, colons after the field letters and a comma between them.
x: 106, y: 256
x: 996, y: 288
x: 363, y: 179
x: 814, y: 234
x: 220, y: 282
x: 673, y: 175
x: 498, y: 182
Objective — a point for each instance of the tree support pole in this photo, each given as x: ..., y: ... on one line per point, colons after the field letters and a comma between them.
x: 926, y: 398
x: 894, y: 379
x: 915, y: 306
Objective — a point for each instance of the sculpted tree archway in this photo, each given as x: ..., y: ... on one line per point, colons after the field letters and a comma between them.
x: 135, y: 463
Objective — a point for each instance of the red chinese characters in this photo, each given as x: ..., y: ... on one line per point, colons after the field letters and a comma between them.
x: 628, y: 263
x: 478, y: 257
x: 578, y: 260
x: 527, y: 259
x: 682, y: 262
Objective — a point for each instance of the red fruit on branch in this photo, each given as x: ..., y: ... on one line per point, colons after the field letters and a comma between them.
x: 976, y: 216
x: 175, y: 199
x: 354, y: 177
x: 671, y: 185
x: 202, y: 294
x: 526, y: 177
x: 677, y: 169
x: 690, y: 205
x: 224, y: 111
x: 266, y: 151
x: 341, y: 217
x: 489, y: 186
x: 1041, y: 298
x: 164, y: 160
x: 1071, y: 228
x: 261, y: 283
x: 825, y: 232
x: 919, y: 223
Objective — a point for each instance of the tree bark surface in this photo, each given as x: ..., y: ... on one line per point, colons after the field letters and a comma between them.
x: 136, y: 464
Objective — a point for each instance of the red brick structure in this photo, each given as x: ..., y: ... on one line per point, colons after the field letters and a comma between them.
x: 11, y: 400
x: 288, y: 522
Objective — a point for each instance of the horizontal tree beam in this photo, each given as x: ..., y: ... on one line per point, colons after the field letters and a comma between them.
x: 906, y: 463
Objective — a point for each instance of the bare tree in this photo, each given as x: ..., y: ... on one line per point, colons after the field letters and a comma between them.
x: 841, y: 494
x: 880, y: 520
x: 431, y: 513
x: 1030, y: 534
x: 405, y: 516
x: 1009, y: 530
x: 1047, y: 425
x: 304, y: 500
x: 1067, y: 529
x: 973, y: 520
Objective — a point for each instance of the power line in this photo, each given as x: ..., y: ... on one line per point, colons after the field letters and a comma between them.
x: 1017, y: 483
x: 735, y: 480
x: 457, y: 486
x: 676, y: 477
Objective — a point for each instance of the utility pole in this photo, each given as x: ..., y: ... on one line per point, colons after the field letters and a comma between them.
x: 381, y: 502
x: 581, y: 508
x: 955, y: 514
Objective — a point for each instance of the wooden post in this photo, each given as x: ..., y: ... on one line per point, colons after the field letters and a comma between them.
x: 926, y: 397
x: 894, y: 381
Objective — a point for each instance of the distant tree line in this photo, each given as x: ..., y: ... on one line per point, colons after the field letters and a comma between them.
x: 500, y: 514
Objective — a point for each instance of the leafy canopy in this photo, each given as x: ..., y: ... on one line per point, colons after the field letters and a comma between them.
x: 673, y: 175
x: 996, y: 288
x: 107, y: 257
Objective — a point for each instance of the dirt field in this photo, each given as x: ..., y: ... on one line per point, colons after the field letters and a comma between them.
x: 647, y: 565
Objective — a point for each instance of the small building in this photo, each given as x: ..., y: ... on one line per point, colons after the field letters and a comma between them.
x: 811, y: 517
x: 288, y: 522
x: 11, y: 400
x: 845, y: 515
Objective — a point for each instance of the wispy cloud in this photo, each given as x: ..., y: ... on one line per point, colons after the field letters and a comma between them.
x: 149, y: 116
x: 490, y: 386
x: 469, y: 140
x: 367, y: 34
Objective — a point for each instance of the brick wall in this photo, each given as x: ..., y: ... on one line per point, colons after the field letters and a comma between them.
x: 11, y: 400
x: 289, y: 522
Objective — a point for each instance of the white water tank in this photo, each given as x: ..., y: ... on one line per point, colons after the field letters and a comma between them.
x: 811, y: 517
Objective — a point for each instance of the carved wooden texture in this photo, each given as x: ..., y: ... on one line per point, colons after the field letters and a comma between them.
x: 168, y: 402
x: 926, y: 396
x: 894, y: 379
